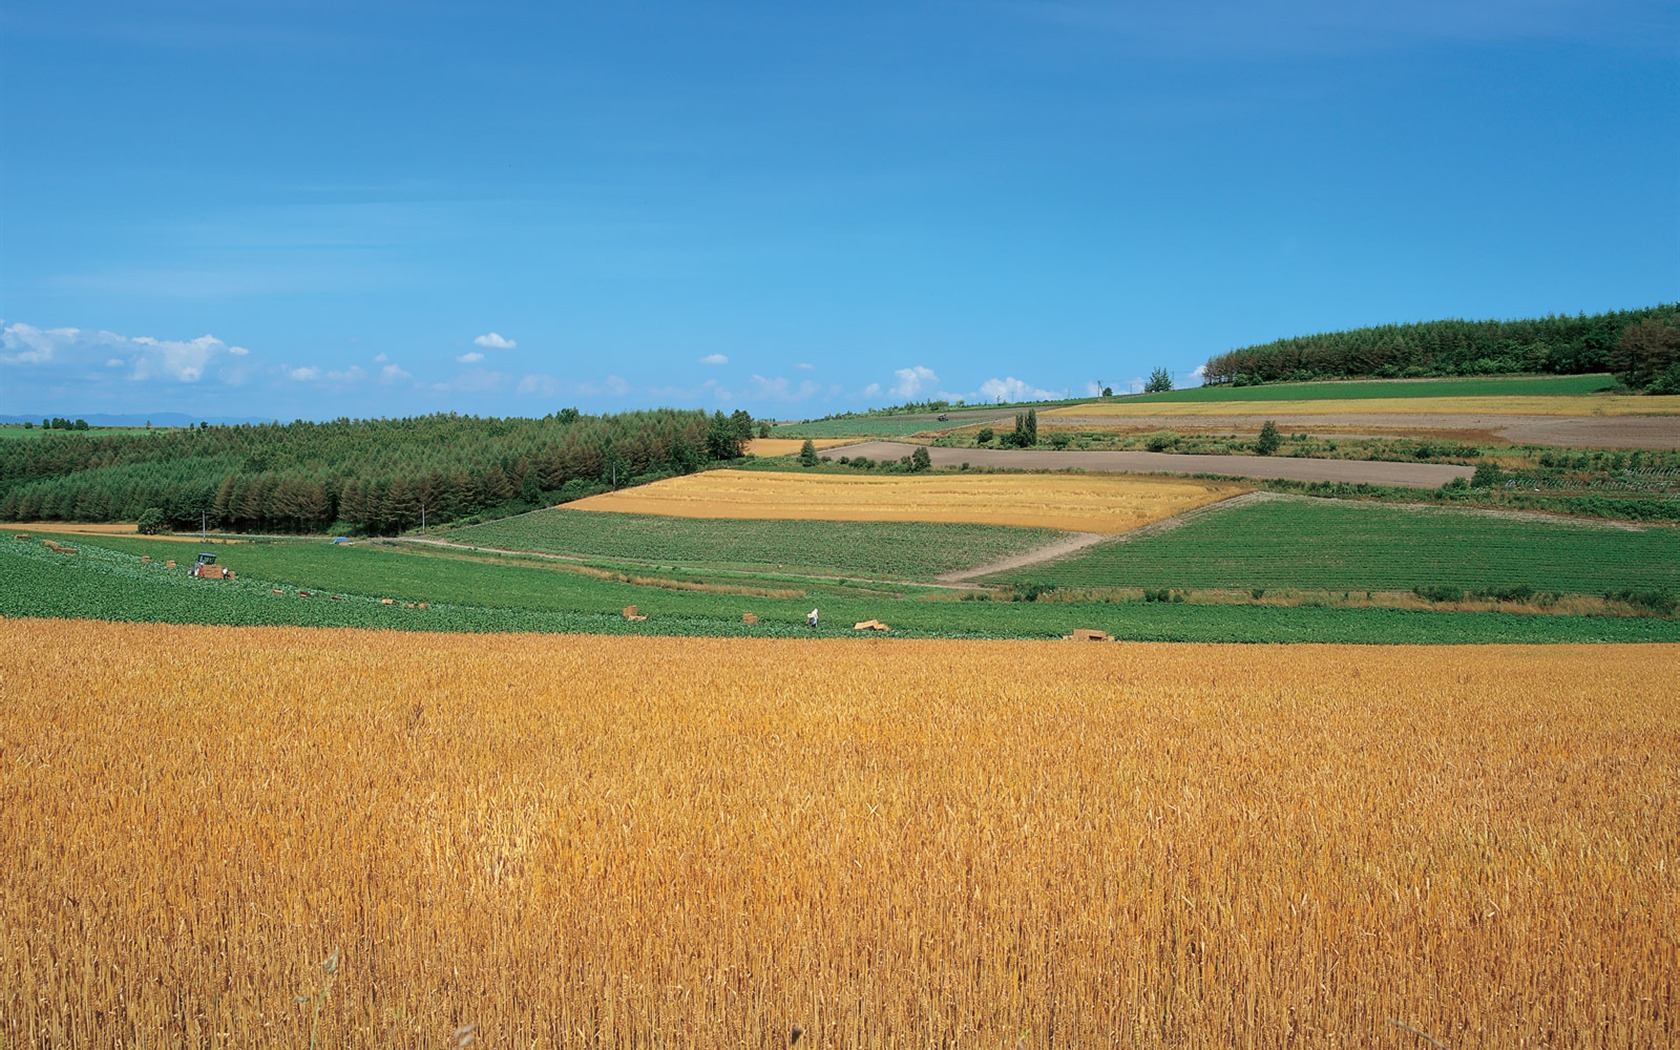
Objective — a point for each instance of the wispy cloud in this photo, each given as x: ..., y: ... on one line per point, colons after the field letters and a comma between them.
x: 470, y: 358
x: 537, y: 385
x: 715, y: 359
x: 779, y: 388
x: 1293, y: 28
x: 495, y: 341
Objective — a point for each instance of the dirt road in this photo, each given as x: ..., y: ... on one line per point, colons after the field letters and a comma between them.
x: 1409, y: 475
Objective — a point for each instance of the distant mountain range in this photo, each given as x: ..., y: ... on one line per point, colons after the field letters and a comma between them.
x: 157, y: 419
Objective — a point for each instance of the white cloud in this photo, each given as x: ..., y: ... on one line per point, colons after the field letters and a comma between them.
x: 1093, y: 390
x: 470, y: 358
x: 872, y: 390
x: 74, y: 349
x: 27, y: 345
x: 1199, y: 373
x: 380, y: 359
x: 393, y: 373
x: 307, y: 374
x: 912, y: 380
x: 1011, y: 389
x: 715, y: 359
x: 494, y: 341
x: 1136, y: 384
x: 804, y: 366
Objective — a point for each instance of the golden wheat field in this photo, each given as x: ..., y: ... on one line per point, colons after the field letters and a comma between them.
x: 1519, y: 405
x: 789, y: 446
x: 1105, y: 503
x: 709, y: 843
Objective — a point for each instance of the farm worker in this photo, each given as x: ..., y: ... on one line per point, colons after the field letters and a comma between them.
x: 811, y: 619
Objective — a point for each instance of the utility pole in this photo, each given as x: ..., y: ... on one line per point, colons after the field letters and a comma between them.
x: 203, y: 524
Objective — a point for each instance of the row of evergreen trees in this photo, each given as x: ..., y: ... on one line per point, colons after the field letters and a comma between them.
x: 1561, y: 345
x: 374, y: 476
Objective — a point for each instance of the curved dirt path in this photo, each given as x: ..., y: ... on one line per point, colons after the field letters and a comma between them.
x: 1076, y: 541
x: 1352, y: 471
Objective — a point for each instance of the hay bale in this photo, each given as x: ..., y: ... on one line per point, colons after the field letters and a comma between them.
x: 338, y: 597
x: 170, y: 564
x: 303, y: 594
x: 64, y: 550
x: 145, y: 559
x: 748, y: 618
x: 1086, y: 634
x: 49, y: 544
x: 870, y: 625
x: 420, y: 605
x: 20, y: 536
x: 387, y: 601
x: 278, y: 590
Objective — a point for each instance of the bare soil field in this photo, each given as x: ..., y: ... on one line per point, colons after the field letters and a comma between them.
x: 1630, y: 432
x: 1409, y: 475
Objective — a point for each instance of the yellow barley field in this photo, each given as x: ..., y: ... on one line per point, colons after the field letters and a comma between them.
x: 83, y: 528
x: 1516, y: 405
x: 1105, y: 503
x: 597, y: 842
x: 790, y: 446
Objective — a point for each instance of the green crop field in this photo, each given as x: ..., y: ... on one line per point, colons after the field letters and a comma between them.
x: 877, y: 550
x: 13, y: 430
x: 1364, y: 389
x: 107, y: 581
x: 1332, y: 545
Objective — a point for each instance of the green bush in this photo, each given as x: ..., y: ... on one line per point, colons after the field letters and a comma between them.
x: 1269, y: 439
x: 1488, y: 476
x: 1439, y: 592
x: 1519, y: 592
x: 152, y: 522
x: 1658, y: 602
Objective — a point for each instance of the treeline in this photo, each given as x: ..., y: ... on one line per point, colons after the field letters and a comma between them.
x: 371, y: 476
x: 1559, y: 345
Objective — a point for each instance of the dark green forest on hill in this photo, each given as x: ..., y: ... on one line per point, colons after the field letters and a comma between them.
x: 376, y: 476
x: 1557, y: 344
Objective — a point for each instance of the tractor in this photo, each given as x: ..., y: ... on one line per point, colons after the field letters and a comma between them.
x: 205, y: 568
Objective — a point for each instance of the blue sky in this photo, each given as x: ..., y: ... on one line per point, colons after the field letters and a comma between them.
x: 311, y: 209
